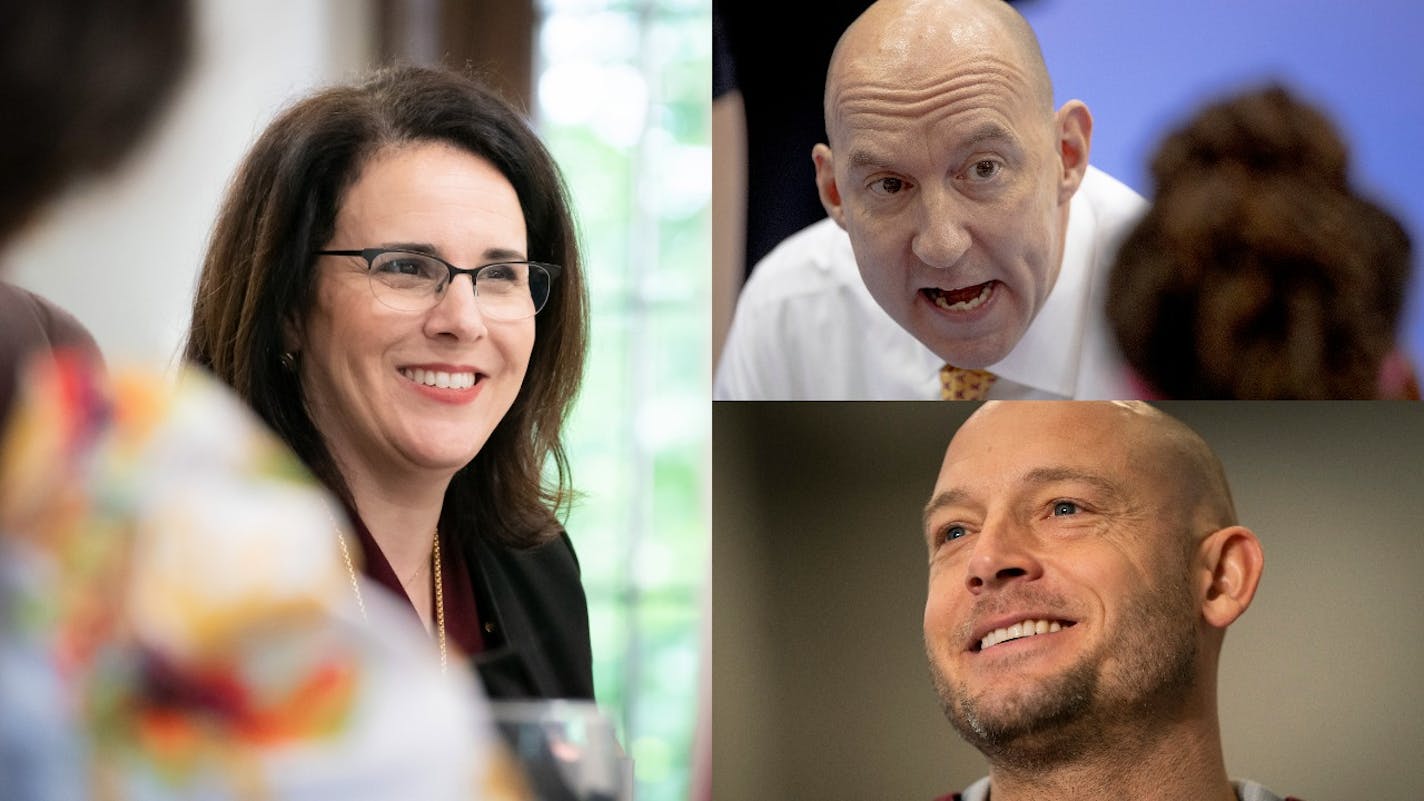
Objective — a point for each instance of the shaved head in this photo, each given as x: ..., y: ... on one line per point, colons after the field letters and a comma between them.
x: 899, y: 37
x: 1153, y: 444
x: 1187, y: 454
x: 950, y: 169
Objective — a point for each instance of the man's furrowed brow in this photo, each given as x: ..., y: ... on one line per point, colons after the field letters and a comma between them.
x: 1057, y: 475
x: 865, y: 160
x: 989, y: 132
x: 949, y: 497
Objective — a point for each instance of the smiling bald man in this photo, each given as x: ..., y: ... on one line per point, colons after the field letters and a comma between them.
x: 968, y: 241
x: 1085, y: 561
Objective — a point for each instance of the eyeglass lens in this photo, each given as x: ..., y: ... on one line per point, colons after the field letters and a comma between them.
x: 415, y: 282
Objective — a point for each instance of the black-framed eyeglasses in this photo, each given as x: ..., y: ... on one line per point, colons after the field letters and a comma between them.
x: 415, y: 282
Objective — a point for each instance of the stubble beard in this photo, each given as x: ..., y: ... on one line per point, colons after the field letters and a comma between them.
x: 1059, y: 718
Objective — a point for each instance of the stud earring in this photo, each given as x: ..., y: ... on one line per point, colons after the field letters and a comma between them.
x: 288, y: 360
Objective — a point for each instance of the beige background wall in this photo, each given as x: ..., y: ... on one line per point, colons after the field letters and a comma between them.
x: 820, y: 686
x: 122, y: 254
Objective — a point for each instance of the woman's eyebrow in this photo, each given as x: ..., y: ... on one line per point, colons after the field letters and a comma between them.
x: 496, y: 254
x: 426, y: 248
x: 412, y: 247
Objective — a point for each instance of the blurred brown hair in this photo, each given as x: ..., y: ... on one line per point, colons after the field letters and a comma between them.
x: 281, y: 208
x: 82, y: 81
x: 1258, y: 272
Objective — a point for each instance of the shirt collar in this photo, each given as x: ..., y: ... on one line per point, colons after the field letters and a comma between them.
x: 1246, y: 790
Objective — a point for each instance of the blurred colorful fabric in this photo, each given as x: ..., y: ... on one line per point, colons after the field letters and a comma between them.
x: 177, y: 618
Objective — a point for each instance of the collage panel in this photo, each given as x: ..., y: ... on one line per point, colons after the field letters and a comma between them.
x: 354, y: 418
x: 1067, y: 200
x: 242, y: 415
x: 1042, y: 200
x: 826, y: 603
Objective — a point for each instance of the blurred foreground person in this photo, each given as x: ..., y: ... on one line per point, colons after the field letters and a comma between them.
x: 176, y: 616
x: 1259, y: 273
x: 1085, y: 561
x: 29, y: 325
x: 86, y: 78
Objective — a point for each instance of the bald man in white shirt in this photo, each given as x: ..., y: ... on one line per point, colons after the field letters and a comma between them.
x: 968, y: 241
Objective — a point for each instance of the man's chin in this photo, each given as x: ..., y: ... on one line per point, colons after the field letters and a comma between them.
x: 1031, y: 721
x: 972, y: 344
x: 971, y: 353
x: 1007, y: 719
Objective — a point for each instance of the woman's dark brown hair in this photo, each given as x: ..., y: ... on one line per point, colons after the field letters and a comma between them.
x: 1259, y: 272
x: 282, y: 207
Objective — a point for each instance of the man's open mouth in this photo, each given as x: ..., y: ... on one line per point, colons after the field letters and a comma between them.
x: 1020, y: 630
x: 964, y: 299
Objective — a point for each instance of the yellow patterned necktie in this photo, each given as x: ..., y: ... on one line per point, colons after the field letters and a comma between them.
x: 958, y: 383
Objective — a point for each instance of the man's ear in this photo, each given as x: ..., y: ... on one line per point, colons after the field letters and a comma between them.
x: 826, y: 183
x: 1229, y: 565
x: 1073, y: 126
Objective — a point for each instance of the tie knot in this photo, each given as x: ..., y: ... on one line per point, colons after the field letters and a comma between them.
x: 959, y: 383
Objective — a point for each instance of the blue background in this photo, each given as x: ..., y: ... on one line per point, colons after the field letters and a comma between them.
x: 1144, y: 67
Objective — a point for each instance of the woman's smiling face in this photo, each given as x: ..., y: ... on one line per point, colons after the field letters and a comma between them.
x: 398, y: 393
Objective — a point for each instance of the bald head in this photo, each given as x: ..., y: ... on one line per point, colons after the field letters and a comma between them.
x: 925, y: 37
x: 1182, y: 451
x: 1135, y: 444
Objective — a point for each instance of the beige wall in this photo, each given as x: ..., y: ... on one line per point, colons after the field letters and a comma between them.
x: 122, y: 253
x: 820, y: 686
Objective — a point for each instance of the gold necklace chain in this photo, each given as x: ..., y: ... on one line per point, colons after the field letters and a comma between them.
x: 439, y: 589
x: 439, y: 601
x: 351, y: 571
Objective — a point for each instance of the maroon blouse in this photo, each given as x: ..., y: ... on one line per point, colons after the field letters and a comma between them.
x: 462, y: 615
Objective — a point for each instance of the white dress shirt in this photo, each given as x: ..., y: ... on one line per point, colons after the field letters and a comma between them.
x: 806, y: 328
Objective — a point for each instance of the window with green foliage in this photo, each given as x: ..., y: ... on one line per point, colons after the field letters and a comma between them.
x: 623, y: 100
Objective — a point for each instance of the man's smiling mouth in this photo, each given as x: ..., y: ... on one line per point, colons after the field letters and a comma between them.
x: 960, y: 300
x: 1025, y: 628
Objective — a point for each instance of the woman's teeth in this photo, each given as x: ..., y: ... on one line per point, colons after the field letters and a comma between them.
x: 442, y: 380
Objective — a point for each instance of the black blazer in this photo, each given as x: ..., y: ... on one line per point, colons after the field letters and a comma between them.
x: 535, y: 617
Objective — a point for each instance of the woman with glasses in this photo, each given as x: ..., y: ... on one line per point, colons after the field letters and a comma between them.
x: 393, y: 284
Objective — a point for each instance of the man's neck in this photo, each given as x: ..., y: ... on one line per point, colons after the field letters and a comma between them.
x: 1178, y: 761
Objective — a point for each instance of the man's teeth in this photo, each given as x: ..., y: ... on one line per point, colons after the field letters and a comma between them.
x: 1027, y: 628
x: 964, y: 305
x: 434, y: 378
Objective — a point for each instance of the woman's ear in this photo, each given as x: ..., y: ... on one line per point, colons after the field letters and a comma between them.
x: 291, y: 335
x: 1229, y: 563
x: 291, y: 344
